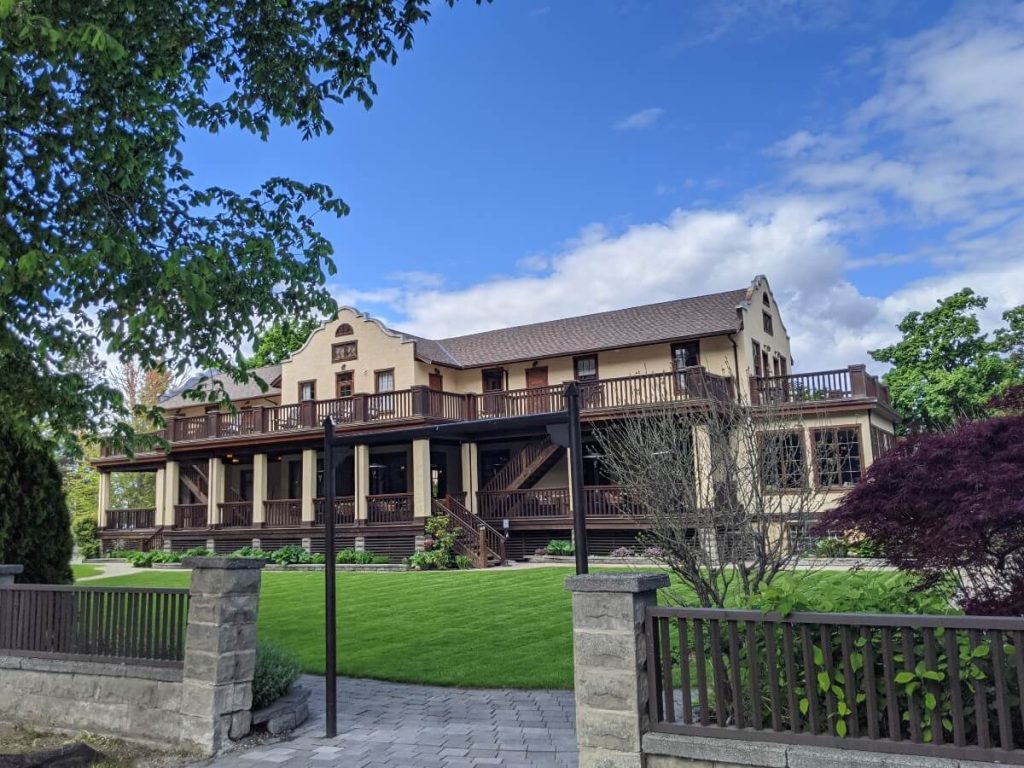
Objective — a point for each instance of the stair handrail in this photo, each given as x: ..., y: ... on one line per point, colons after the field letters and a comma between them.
x: 524, y: 458
x: 494, y: 538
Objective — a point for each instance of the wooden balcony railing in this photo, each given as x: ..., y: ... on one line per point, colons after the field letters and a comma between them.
x: 236, y: 514
x: 190, y: 516
x: 819, y: 386
x: 610, y: 501
x: 129, y: 519
x: 344, y: 510
x: 280, y: 513
x: 524, y: 504
x: 389, y: 508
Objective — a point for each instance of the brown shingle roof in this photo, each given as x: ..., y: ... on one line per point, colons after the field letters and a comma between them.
x: 237, y: 392
x: 648, y: 324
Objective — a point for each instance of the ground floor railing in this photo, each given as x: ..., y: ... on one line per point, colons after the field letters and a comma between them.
x: 190, y: 516
x: 389, y: 508
x: 523, y: 504
x: 948, y: 686
x: 236, y: 514
x: 281, y: 513
x: 128, y: 519
x: 344, y: 510
x: 104, y: 623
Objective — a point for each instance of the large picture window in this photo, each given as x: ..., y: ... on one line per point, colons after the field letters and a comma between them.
x: 783, y: 463
x: 837, y: 456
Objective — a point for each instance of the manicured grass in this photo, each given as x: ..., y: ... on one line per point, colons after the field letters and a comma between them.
x: 83, y: 571
x: 496, y: 628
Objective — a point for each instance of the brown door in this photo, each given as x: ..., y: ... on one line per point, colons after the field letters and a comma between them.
x: 436, y: 382
x: 537, y: 378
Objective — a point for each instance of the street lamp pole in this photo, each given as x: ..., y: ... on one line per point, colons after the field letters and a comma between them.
x: 330, y: 577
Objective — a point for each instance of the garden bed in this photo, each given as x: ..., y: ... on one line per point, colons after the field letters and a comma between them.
x: 396, y: 567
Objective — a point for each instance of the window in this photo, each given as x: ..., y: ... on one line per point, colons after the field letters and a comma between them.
x: 837, y: 455
x: 685, y: 355
x: 758, y: 371
x: 344, y: 384
x: 307, y: 390
x: 586, y: 368
x: 344, y: 330
x: 384, y: 381
x: 782, y: 460
x: 777, y: 365
x: 767, y: 319
x: 765, y: 300
x: 881, y: 442
x: 346, y: 350
x: 494, y: 379
x: 800, y: 538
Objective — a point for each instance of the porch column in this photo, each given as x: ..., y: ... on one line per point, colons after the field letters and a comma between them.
x: 420, y: 479
x: 361, y: 481
x: 259, y: 489
x: 470, y: 474
x: 308, y: 486
x: 172, y: 478
x: 702, y: 466
x: 215, y: 491
x: 160, y: 499
x: 104, y: 500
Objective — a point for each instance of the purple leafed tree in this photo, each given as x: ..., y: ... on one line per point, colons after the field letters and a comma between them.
x: 949, y: 505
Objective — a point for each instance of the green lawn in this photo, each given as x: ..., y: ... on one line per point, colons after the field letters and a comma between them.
x: 83, y: 571
x: 495, y: 628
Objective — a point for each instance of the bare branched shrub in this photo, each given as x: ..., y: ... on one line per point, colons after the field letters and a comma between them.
x: 721, y: 484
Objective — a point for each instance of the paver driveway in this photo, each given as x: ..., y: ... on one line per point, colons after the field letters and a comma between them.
x: 392, y: 725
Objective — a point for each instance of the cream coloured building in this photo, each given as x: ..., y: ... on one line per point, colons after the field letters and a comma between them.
x: 255, y: 475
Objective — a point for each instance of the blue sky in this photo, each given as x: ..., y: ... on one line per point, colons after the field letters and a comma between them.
x: 530, y: 160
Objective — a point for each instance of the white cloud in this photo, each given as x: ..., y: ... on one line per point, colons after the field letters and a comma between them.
x: 937, y: 150
x: 645, y: 118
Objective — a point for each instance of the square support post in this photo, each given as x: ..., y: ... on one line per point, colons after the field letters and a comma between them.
x: 220, y: 650
x: 610, y: 657
x: 259, y: 489
x: 470, y: 474
x: 421, y: 485
x: 308, y: 486
x: 172, y: 479
x: 103, y: 501
x: 160, y: 499
x: 215, y: 491
x: 361, y: 463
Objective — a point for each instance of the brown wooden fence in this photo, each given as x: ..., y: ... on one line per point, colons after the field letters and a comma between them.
x: 948, y: 686
x: 141, y: 626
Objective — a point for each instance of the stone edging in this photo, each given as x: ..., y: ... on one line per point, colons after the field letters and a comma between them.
x: 285, y: 714
x: 83, y: 667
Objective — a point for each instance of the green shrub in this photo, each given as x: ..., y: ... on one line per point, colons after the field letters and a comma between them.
x: 866, y: 548
x: 194, y: 552
x: 355, y: 557
x: 120, y: 554
x: 290, y: 555
x: 830, y: 548
x: 560, y: 547
x: 35, y: 525
x: 275, y: 671
x: 439, y: 543
x: 253, y: 552
x: 463, y: 563
x: 85, y: 533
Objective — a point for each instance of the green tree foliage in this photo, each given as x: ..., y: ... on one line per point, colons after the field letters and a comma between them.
x: 945, y: 369
x: 281, y: 339
x: 35, y: 527
x: 108, y: 243
x: 81, y: 489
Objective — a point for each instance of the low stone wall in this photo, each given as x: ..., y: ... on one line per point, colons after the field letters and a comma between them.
x: 197, y: 706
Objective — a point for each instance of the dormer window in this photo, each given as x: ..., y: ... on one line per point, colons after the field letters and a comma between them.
x: 344, y: 329
x: 346, y: 350
x: 307, y: 391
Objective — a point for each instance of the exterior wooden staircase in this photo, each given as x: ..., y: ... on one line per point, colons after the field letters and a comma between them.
x: 525, y: 468
x: 193, y: 477
x: 478, y: 540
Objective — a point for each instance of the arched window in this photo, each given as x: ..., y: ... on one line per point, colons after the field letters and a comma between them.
x: 344, y: 330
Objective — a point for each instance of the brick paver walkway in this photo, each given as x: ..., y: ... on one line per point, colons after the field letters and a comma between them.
x: 392, y: 725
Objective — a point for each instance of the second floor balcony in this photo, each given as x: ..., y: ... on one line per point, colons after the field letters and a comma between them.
x: 600, y: 396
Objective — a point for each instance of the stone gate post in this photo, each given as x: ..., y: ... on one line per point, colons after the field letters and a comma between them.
x: 220, y: 650
x: 610, y: 657
x: 8, y: 572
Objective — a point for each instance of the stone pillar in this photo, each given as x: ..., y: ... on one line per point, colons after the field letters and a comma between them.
x: 259, y: 489
x: 420, y: 478
x: 104, y: 500
x: 610, y: 656
x: 702, y: 466
x: 361, y: 463
x: 172, y: 479
x: 215, y: 491
x: 160, y: 498
x: 470, y: 474
x: 8, y: 572
x: 220, y: 650
x: 308, y: 486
